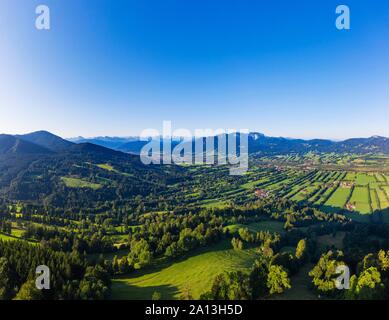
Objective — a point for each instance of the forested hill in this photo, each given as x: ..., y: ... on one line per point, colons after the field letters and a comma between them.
x: 46, y: 169
x: 10, y: 145
x: 261, y: 143
x: 47, y: 140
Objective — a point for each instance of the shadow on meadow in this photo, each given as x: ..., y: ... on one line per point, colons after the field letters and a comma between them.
x: 124, y: 286
x: 378, y: 216
x: 163, y: 263
x: 125, y: 291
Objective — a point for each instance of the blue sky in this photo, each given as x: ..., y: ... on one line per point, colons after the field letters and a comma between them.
x: 117, y: 67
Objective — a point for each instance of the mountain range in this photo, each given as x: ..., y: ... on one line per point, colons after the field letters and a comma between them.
x: 43, y: 167
x: 262, y: 144
x: 46, y: 143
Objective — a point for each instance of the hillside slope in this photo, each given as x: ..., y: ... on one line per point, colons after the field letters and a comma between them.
x: 47, y: 140
x: 74, y: 176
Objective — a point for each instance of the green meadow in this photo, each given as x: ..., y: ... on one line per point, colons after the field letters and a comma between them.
x: 5, y: 237
x: 339, y: 198
x: 271, y: 226
x: 71, y: 182
x: 194, y: 273
x: 106, y: 167
x: 361, y: 199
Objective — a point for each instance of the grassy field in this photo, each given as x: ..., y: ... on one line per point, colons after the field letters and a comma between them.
x: 252, y: 184
x: 324, y: 196
x: 6, y: 238
x: 17, y: 232
x: 386, y: 191
x: 350, y: 176
x: 364, y: 179
x: 195, y: 273
x: 302, y: 195
x: 361, y: 199
x: 380, y: 177
x: 217, y: 204
x: 79, y: 183
x: 375, y: 203
x: 106, y: 167
x: 271, y: 226
x: 384, y: 199
x: 338, y: 198
x: 15, y: 237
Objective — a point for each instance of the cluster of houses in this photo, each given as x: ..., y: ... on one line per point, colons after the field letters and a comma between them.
x: 330, y: 185
x: 261, y: 193
x: 347, y: 184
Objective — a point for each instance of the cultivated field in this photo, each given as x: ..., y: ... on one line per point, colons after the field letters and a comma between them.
x: 332, y: 183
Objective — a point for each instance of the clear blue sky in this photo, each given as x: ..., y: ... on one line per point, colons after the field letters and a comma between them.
x: 113, y: 67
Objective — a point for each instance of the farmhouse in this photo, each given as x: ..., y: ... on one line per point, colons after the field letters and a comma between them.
x: 346, y: 184
x: 329, y: 185
x: 260, y: 193
x: 350, y: 207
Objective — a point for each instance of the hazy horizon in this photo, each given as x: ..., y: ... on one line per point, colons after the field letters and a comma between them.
x: 175, y: 136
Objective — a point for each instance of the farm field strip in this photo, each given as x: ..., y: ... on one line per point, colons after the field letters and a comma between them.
x: 360, y: 198
x: 374, y: 199
x: 339, y: 198
x: 324, y: 196
x: 383, y: 198
x: 380, y: 178
x: 364, y: 179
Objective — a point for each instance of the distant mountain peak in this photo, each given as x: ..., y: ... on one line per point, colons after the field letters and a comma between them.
x: 13, y: 145
x: 47, y: 140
